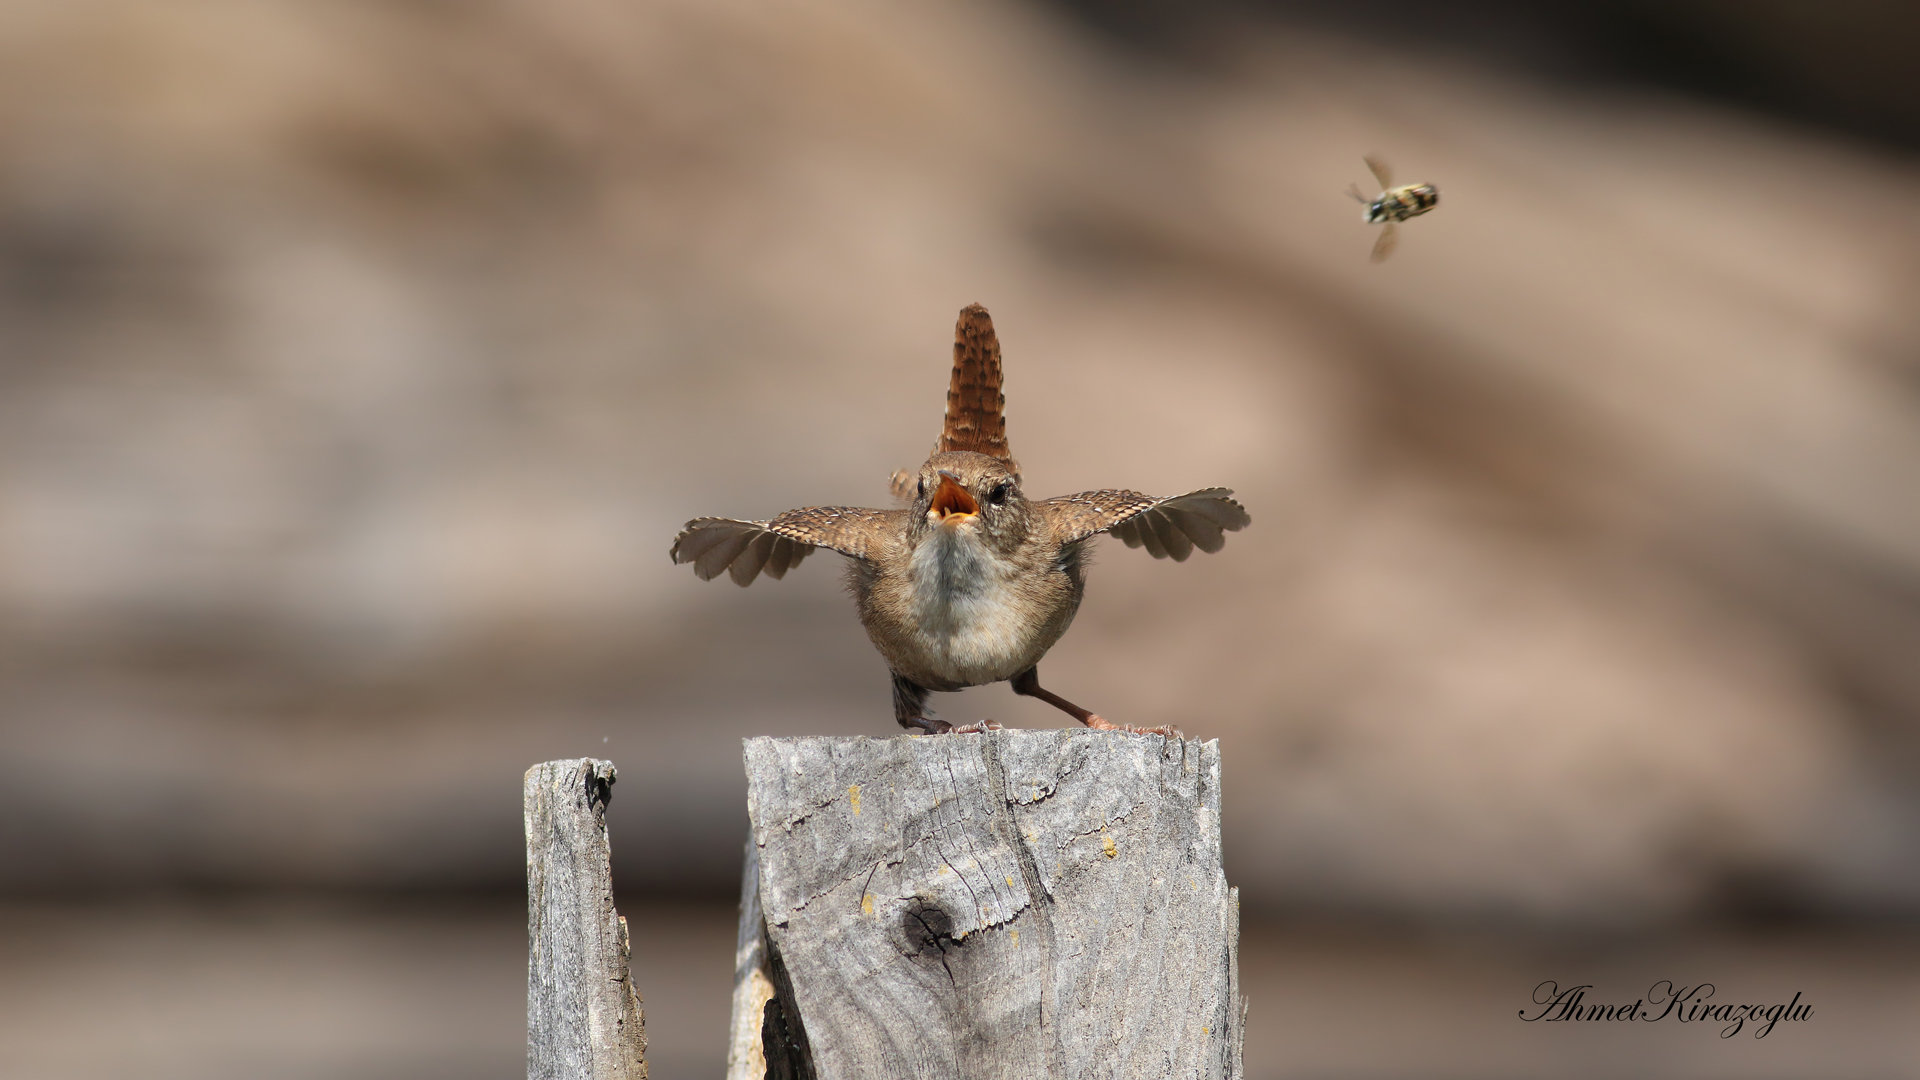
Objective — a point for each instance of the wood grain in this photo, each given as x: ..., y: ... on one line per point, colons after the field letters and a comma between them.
x: 583, y: 1014
x: 1014, y: 904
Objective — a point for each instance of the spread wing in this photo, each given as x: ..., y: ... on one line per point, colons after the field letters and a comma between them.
x: 1164, y: 526
x: 744, y: 548
x: 1383, y: 247
x: 1380, y: 171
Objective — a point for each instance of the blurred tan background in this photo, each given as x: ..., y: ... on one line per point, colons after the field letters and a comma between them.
x: 360, y: 361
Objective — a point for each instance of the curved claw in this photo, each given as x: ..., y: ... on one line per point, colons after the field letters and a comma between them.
x: 1101, y: 723
x: 933, y: 725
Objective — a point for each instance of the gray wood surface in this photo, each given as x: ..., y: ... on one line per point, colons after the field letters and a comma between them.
x: 583, y: 1013
x: 752, y: 981
x: 1016, y: 904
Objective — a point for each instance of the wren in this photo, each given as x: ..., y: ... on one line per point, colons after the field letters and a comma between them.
x: 973, y: 581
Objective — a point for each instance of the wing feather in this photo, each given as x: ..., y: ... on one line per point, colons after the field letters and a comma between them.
x: 1214, y: 504
x: 700, y: 538
x: 747, y: 566
x: 1176, y: 542
x: 742, y: 549
x: 721, y: 555
x: 1141, y: 527
x: 1166, y: 527
x: 780, y: 559
x: 1204, y: 532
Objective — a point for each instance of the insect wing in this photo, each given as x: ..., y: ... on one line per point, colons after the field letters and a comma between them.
x: 1383, y: 247
x: 1380, y: 171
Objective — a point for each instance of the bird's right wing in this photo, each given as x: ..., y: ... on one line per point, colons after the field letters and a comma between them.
x: 1165, y: 526
x: 744, y: 548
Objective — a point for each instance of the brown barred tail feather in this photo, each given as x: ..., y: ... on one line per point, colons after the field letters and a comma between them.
x: 976, y: 418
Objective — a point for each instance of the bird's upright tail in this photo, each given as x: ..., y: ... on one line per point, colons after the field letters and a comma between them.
x: 976, y: 406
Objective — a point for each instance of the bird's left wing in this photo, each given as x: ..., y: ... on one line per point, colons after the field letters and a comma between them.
x: 744, y: 548
x: 1166, y: 527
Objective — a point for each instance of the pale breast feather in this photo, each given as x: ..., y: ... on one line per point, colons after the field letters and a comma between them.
x: 972, y: 622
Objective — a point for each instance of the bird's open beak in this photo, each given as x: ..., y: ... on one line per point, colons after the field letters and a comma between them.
x: 952, y: 504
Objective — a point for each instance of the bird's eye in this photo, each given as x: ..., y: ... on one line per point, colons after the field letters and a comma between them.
x: 923, y: 489
x: 1000, y: 493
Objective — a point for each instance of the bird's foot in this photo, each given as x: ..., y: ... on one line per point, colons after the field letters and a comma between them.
x: 1101, y: 723
x: 935, y: 726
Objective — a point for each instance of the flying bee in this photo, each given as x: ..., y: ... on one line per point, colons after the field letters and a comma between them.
x: 1392, y: 204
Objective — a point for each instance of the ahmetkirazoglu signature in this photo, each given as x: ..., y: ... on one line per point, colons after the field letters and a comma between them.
x: 1687, y: 1004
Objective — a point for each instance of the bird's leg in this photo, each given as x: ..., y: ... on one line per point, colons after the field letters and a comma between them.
x: 910, y: 708
x: 1027, y: 683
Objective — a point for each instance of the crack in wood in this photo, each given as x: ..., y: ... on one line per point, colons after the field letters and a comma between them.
x: 1116, y: 967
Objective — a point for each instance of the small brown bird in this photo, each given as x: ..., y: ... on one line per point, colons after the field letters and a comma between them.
x: 973, y: 582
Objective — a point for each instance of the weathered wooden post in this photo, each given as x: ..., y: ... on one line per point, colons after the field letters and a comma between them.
x: 583, y: 1014
x: 1016, y: 904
